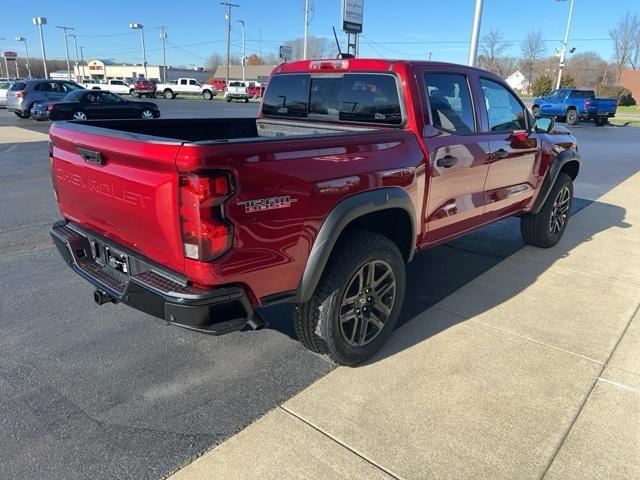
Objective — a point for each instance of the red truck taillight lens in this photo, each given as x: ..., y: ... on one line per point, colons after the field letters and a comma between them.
x: 50, y: 106
x: 206, y: 234
x: 587, y: 103
x: 21, y: 94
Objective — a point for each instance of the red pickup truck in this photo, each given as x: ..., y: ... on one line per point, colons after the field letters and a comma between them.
x: 351, y: 167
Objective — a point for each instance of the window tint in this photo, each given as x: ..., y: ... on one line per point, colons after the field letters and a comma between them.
x: 74, y: 96
x: 450, y: 102
x: 582, y: 94
x: 370, y: 98
x: 70, y: 87
x: 505, y: 113
x: 18, y: 86
x: 325, y: 96
x: 287, y: 96
x: 193, y: 82
x: 183, y: 82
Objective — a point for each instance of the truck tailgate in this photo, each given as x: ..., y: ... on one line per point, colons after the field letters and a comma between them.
x: 122, y: 187
x: 603, y: 105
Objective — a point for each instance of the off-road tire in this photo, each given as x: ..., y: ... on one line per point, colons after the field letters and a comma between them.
x: 168, y: 94
x: 601, y: 121
x: 25, y: 114
x: 572, y: 116
x: 317, y: 322
x: 536, y: 228
x: 207, y: 95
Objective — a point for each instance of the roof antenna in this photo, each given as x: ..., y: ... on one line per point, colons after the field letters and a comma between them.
x: 340, y: 54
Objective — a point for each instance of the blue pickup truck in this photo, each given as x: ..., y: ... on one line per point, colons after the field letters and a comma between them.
x: 574, y: 105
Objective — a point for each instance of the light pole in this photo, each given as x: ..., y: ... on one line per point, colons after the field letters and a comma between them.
x: 475, y: 34
x: 139, y: 26
x: 39, y: 21
x: 306, y: 29
x: 163, y: 37
x: 244, y: 52
x: 227, y: 17
x: 66, y: 48
x: 564, y: 43
x: 77, y: 69
x: 26, y: 49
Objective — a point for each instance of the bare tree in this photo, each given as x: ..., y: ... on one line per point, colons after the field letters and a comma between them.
x: 492, y: 46
x: 214, y: 61
x: 533, y: 48
x: 625, y: 37
x: 317, y: 47
x: 587, y: 68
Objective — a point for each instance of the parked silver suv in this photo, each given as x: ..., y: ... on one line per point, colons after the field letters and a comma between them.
x: 23, y: 94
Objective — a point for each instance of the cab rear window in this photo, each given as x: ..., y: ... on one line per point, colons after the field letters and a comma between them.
x: 352, y: 97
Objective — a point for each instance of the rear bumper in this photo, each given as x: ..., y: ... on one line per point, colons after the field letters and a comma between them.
x: 151, y: 289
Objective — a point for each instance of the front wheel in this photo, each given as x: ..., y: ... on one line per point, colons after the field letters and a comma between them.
x: 23, y: 114
x: 572, y: 117
x: 545, y: 228
x: 207, y: 95
x: 356, y: 304
x: 246, y: 100
x: 168, y: 94
x: 146, y: 114
x: 135, y: 94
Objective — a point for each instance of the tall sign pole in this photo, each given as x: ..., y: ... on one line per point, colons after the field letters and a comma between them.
x: 475, y: 34
x: 77, y: 69
x: 352, y: 18
x: 163, y: 37
x: 244, y: 52
x: 306, y: 29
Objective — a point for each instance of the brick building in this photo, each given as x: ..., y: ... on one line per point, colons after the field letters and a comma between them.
x: 631, y: 79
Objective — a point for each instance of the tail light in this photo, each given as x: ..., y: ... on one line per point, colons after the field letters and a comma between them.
x: 587, y: 103
x: 21, y: 94
x: 50, y: 106
x: 332, y: 65
x: 206, y: 234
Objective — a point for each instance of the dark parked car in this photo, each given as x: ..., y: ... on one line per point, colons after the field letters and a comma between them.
x: 94, y: 104
x: 24, y: 94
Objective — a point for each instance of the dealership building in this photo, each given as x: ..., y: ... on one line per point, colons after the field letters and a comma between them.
x: 109, y: 70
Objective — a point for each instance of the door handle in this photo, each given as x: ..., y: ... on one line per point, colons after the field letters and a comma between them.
x: 447, y: 161
x: 502, y: 153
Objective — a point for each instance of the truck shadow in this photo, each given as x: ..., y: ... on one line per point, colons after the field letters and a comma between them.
x: 438, y: 272
x: 424, y: 282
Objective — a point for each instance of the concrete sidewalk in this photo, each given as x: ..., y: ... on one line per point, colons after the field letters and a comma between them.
x: 529, y: 371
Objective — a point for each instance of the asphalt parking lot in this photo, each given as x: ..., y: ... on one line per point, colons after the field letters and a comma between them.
x: 108, y: 392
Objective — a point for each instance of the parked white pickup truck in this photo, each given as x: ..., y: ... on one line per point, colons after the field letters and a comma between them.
x: 114, y: 86
x: 185, y: 86
x: 236, y: 91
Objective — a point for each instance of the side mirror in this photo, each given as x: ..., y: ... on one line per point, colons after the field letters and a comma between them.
x: 544, y: 125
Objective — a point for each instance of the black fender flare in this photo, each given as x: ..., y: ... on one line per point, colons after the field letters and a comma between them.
x: 562, y: 159
x: 342, y: 214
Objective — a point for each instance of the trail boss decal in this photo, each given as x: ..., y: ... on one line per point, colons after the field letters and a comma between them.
x: 271, y: 203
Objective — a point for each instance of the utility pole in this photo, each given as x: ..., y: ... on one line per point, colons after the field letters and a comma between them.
x: 227, y: 16
x: 306, y: 29
x: 66, y: 48
x: 26, y: 49
x: 564, y: 43
x: 5, y: 61
x: 163, y: 37
x: 39, y: 21
x: 244, y: 51
x: 77, y: 69
x: 84, y: 75
x: 475, y: 34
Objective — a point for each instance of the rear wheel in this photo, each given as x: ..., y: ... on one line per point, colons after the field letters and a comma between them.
x: 146, y: 114
x: 135, y: 94
x: 572, y: 117
x: 23, y: 114
x: 168, y: 94
x: 356, y: 304
x: 228, y: 99
x: 546, y: 228
x: 246, y: 100
x: 601, y: 121
x: 79, y: 115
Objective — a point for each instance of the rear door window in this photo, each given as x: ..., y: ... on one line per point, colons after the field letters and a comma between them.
x: 582, y: 94
x: 450, y: 102
x: 18, y: 86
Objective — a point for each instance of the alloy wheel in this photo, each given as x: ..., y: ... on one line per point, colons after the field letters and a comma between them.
x: 79, y: 116
x: 560, y: 211
x: 147, y: 114
x: 367, y: 303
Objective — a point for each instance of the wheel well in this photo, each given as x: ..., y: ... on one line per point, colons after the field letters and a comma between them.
x: 572, y: 107
x: 571, y: 168
x: 535, y: 105
x: 393, y: 223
